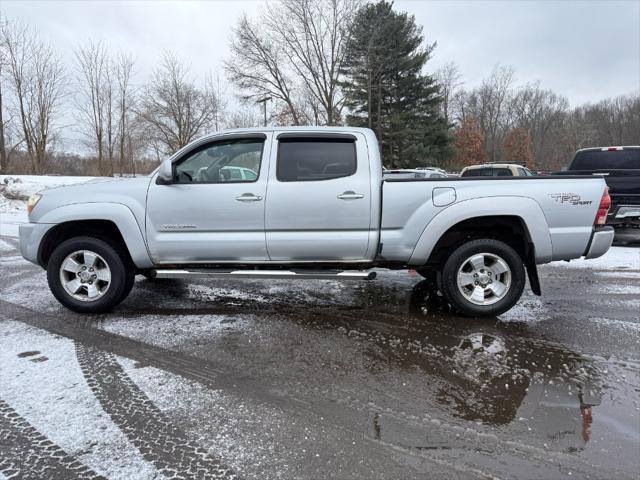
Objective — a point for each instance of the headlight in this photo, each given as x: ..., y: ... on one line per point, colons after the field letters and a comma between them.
x: 33, y: 200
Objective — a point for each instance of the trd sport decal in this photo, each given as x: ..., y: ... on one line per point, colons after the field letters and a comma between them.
x: 569, y: 198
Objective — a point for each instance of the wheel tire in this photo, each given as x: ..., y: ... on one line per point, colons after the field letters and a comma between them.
x: 130, y: 281
x: 459, y: 263
x: 428, y: 273
x: 119, y: 284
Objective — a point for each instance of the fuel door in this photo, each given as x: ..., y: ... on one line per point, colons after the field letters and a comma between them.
x: 443, y: 196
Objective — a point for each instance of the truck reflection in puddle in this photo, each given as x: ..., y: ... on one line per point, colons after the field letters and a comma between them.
x: 495, y: 375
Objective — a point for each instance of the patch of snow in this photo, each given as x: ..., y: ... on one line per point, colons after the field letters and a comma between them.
x: 621, y: 289
x: 9, y: 222
x: 230, y: 426
x: 23, y: 186
x: 8, y: 205
x: 53, y: 396
x: 631, y: 327
x: 215, y: 293
x: 6, y: 248
x: 169, y: 331
x: 530, y: 310
x: 617, y: 258
x: 27, y: 286
x: 609, y: 274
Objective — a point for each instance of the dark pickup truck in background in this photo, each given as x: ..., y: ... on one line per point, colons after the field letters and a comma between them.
x: 620, y: 167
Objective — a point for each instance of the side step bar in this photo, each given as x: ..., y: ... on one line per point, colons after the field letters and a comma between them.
x: 264, y: 274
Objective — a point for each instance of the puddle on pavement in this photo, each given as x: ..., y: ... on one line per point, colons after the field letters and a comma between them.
x: 491, y: 372
x: 485, y: 371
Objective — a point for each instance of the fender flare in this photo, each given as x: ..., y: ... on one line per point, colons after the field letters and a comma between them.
x: 117, y: 213
x: 527, y: 209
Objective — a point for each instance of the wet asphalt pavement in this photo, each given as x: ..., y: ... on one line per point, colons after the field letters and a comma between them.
x: 320, y: 379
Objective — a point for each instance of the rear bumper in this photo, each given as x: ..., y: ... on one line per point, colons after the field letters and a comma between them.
x: 601, y: 240
x: 624, y: 215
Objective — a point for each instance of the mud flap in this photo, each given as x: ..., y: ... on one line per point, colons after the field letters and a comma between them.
x: 532, y: 273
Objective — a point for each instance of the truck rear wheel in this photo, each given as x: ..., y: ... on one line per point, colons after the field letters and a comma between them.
x: 89, y: 275
x: 483, y: 278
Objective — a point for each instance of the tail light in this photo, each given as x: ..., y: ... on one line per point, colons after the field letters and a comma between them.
x: 603, y: 208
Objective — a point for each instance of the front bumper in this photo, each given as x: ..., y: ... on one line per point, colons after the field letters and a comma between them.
x: 31, y: 235
x: 601, y: 240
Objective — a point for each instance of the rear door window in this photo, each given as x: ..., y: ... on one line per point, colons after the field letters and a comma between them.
x: 315, y: 159
x: 502, y: 172
x: 478, y: 172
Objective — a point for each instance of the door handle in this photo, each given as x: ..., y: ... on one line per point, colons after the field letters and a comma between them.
x: 350, y: 195
x: 248, y: 197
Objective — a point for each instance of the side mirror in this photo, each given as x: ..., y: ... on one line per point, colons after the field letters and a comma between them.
x: 165, y: 173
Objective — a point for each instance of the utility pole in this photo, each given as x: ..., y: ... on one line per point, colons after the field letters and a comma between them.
x: 263, y: 101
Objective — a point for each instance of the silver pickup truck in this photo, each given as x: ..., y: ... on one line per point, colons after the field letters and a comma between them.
x: 309, y: 202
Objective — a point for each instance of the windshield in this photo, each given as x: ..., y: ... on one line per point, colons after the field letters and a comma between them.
x: 606, y: 160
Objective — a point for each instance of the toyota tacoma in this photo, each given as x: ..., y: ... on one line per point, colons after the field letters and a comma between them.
x: 309, y: 202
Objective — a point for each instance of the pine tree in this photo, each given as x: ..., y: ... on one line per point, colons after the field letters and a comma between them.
x: 386, y: 90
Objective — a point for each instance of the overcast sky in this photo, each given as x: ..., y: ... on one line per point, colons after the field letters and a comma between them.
x: 584, y: 50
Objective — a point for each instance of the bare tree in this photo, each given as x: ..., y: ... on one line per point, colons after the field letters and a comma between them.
x: 449, y: 80
x: 539, y: 112
x: 123, y: 70
x: 220, y: 93
x: 175, y: 110
x: 36, y: 80
x: 314, y: 36
x: 95, y: 103
x: 4, y: 161
x: 490, y: 105
x: 294, y: 57
x: 257, y: 66
x: 245, y: 117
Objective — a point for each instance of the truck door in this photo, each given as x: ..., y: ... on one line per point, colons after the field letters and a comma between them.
x: 214, y: 209
x: 318, y: 199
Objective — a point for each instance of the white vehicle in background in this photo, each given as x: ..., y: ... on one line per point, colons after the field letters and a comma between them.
x: 435, y: 169
x: 413, y: 173
x: 231, y: 173
x: 497, y: 170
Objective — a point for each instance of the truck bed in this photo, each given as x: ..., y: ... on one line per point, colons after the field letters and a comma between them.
x: 559, y: 211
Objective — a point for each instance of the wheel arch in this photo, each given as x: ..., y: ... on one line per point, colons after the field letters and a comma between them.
x: 518, y: 221
x: 111, y: 221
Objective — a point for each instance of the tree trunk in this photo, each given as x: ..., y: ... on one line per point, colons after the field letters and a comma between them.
x: 369, y: 94
x: 3, y: 152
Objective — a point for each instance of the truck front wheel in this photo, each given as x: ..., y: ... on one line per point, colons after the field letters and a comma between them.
x: 89, y: 275
x: 483, y: 278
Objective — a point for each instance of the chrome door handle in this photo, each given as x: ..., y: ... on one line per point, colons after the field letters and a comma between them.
x: 350, y: 195
x: 248, y: 197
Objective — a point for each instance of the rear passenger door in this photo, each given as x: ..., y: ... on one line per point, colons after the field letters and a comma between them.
x: 318, y: 198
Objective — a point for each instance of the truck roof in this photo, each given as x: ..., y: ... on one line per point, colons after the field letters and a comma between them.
x: 292, y: 129
x: 604, y: 149
x: 493, y: 165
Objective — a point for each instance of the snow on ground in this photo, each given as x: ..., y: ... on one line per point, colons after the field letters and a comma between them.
x: 22, y: 186
x: 16, y: 189
x: 9, y: 222
x: 617, y: 258
x: 42, y: 382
